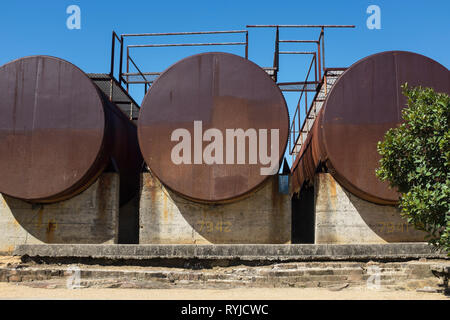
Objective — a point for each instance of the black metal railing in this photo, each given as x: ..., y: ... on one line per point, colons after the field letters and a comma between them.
x: 312, y: 83
x: 299, y: 124
x: 147, y: 78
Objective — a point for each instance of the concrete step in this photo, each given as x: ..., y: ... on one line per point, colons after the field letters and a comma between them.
x: 291, y: 274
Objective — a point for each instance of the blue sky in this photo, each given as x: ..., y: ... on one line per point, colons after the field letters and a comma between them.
x: 39, y: 27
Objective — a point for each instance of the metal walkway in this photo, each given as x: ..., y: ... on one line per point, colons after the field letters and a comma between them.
x: 117, y: 94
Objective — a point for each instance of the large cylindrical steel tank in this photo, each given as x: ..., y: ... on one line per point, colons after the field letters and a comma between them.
x: 58, y: 132
x: 363, y: 104
x: 212, y: 92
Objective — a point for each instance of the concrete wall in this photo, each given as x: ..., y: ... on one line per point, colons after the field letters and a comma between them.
x: 341, y: 217
x: 90, y: 217
x: 166, y: 218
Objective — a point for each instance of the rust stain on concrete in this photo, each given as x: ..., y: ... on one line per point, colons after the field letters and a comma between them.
x: 50, y: 231
x: 262, y: 216
x: 165, y: 212
x: 333, y: 194
x: 9, y: 249
x: 16, y: 223
x: 103, y: 198
x: 40, y: 215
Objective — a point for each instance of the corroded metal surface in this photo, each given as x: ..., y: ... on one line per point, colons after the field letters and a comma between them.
x: 363, y: 104
x: 223, y: 91
x: 57, y: 130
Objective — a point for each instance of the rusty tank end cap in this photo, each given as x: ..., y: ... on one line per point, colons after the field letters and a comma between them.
x: 222, y: 91
x: 363, y: 104
x: 51, y: 129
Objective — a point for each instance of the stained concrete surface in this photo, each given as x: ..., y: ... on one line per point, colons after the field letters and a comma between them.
x: 242, y: 252
x: 90, y: 217
x: 343, y: 218
x: 263, y: 216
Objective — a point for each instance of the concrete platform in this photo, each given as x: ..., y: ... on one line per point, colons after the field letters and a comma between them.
x: 237, y: 252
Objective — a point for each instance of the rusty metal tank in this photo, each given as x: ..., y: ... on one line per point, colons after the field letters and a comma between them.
x: 222, y: 91
x: 58, y: 132
x: 362, y: 105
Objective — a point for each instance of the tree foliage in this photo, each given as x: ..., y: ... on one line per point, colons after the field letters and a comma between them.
x: 416, y: 161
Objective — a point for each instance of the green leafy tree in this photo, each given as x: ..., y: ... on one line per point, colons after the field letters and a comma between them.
x: 416, y: 161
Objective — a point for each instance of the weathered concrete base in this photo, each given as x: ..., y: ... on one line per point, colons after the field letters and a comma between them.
x: 166, y: 218
x: 408, y: 275
x: 341, y: 217
x: 241, y: 252
x: 90, y: 217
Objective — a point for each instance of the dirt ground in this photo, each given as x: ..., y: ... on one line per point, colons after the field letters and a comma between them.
x: 15, y: 291
x: 4, y: 260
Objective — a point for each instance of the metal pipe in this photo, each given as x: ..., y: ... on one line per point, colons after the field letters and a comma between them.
x: 297, y: 52
x: 315, y: 67
x: 300, y: 26
x: 276, y: 58
x: 128, y: 67
x: 121, y: 61
x: 318, y: 54
x: 181, y: 33
x: 246, y: 45
x: 293, y: 124
x: 112, y: 54
x: 298, y: 106
x: 299, y: 122
x: 186, y: 44
x: 306, y: 111
x: 299, y: 41
x: 143, y: 73
x: 139, y: 71
x: 323, y: 49
x: 140, y: 82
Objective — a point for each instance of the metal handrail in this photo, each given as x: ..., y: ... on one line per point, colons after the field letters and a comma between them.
x: 182, y: 33
x: 300, y: 26
x: 137, y: 68
x: 186, y: 44
x: 298, y: 41
x: 318, y: 60
x: 297, y: 111
x: 308, y: 110
x: 190, y: 44
x: 297, y: 52
x: 124, y: 77
x: 114, y: 37
x: 131, y: 74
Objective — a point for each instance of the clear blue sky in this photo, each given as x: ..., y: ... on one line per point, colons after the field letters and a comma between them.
x: 39, y: 27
